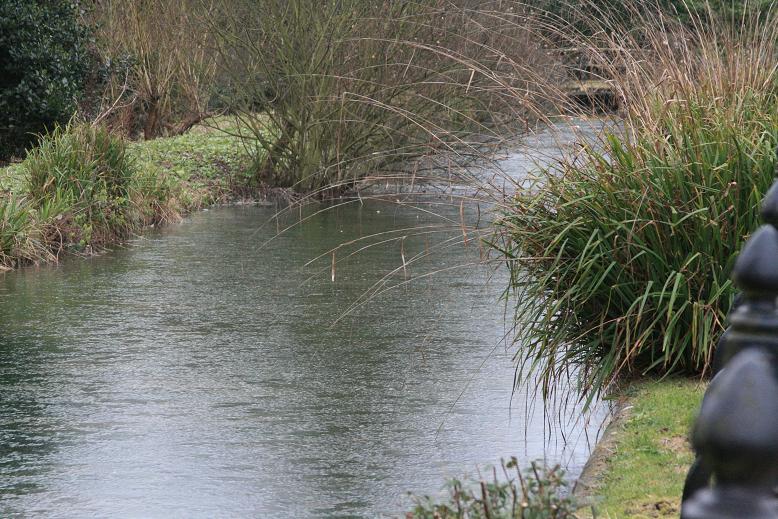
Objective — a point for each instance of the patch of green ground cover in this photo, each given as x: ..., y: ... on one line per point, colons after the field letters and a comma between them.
x: 644, y: 462
x: 205, y: 152
x: 12, y: 179
x: 210, y: 160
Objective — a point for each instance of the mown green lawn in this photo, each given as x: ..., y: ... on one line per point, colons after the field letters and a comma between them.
x: 644, y: 462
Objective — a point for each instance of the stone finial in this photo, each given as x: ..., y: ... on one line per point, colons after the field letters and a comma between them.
x: 756, y: 269
x: 770, y: 204
x: 754, y: 324
x: 735, y: 435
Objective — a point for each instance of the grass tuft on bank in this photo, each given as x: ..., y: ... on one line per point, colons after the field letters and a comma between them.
x: 82, y: 188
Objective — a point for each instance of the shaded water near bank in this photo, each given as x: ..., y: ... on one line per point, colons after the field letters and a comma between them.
x: 196, y: 374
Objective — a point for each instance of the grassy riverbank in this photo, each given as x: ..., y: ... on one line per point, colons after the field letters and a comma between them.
x: 639, y: 468
x: 83, y: 189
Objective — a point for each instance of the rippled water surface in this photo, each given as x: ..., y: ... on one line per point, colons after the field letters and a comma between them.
x: 196, y: 374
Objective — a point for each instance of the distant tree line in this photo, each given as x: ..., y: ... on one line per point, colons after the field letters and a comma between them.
x: 156, y: 67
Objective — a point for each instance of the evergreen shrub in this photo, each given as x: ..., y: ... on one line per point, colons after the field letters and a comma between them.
x: 44, y: 60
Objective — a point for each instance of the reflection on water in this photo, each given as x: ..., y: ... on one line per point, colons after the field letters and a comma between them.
x: 197, y: 374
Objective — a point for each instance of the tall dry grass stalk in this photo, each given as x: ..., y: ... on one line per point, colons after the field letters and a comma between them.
x: 662, y: 63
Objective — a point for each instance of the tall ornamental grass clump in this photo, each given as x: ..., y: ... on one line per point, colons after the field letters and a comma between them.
x: 82, y: 191
x: 82, y: 176
x: 622, y: 255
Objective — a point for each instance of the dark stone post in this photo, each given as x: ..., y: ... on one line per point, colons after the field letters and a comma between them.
x: 736, y: 434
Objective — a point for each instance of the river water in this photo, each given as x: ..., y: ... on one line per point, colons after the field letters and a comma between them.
x: 203, y: 371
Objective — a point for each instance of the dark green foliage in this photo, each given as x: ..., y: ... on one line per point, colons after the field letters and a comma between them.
x: 537, y: 493
x: 43, y: 62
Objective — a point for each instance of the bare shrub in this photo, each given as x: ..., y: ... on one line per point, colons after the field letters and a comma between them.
x: 334, y: 91
x: 159, y: 61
